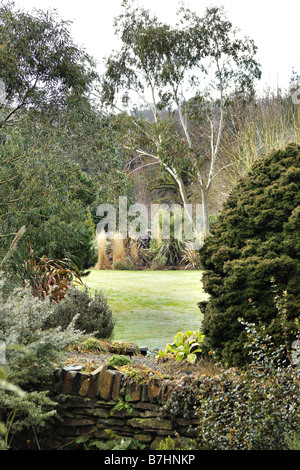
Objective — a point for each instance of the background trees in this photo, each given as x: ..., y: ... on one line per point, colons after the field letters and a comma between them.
x: 49, y: 194
x: 186, y: 71
x: 40, y: 64
x: 58, y: 154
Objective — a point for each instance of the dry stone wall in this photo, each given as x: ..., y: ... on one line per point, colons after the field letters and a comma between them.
x: 105, y: 400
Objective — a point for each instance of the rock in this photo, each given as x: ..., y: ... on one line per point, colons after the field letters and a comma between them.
x: 105, y: 384
x: 79, y: 422
x: 144, y: 438
x: 150, y: 423
x: 153, y: 391
x: 134, y: 392
x: 94, y: 379
x: 84, y: 386
x: 117, y: 386
x: 147, y: 406
x: 67, y: 382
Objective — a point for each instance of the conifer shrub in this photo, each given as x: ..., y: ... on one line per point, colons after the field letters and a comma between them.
x: 255, y: 239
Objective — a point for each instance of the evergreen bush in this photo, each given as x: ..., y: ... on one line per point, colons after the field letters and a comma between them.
x: 94, y: 315
x: 251, y: 408
x: 32, y: 354
x: 256, y: 238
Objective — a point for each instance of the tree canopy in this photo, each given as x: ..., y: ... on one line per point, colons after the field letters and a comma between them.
x: 39, y: 63
x: 190, y: 69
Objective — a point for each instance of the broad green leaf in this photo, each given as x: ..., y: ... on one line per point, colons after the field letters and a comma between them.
x: 191, y: 358
x: 178, y: 338
x: 180, y: 356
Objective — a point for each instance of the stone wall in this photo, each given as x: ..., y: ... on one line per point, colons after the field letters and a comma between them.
x: 88, y: 408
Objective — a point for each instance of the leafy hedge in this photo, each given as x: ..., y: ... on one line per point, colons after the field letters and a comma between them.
x: 255, y: 239
x: 255, y: 408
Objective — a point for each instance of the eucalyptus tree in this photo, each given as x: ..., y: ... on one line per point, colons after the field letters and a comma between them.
x: 40, y: 65
x: 191, y: 69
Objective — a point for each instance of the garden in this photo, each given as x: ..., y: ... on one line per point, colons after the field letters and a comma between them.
x: 183, y: 334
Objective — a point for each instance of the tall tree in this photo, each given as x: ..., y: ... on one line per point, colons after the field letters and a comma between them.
x: 40, y: 186
x: 43, y: 190
x: 165, y: 67
x: 40, y: 65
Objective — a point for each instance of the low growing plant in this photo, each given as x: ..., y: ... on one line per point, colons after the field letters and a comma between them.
x: 184, y: 346
x: 119, y: 360
x: 93, y: 315
x: 113, y: 442
x: 49, y: 277
x: 123, y: 404
x: 32, y: 354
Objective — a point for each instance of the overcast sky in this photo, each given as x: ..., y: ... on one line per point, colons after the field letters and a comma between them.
x: 274, y: 26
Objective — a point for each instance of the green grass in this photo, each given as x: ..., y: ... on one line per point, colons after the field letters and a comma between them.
x: 150, y: 306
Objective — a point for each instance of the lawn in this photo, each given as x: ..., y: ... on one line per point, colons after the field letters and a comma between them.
x: 150, y: 306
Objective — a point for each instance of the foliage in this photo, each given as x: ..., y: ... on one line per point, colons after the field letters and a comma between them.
x: 190, y: 257
x: 90, y: 313
x: 126, y: 264
x: 50, y: 195
x: 184, y: 346
x: 32, y: 354
x: 166, y: 62
x: 119, y: 360
x: 32, y: 351
x: 48, y: 277
x: 171, y: 251
x: 168, y: 247
x: 40, y: 64
x: 124, y: 404
x: 254, y: 129
x: 158, y: 262
x: 255, y: 408
x: 255, y: 239
x: 179, y: 443
x: 29, y: 410
x: 113, y: 442
x: 139, y: 374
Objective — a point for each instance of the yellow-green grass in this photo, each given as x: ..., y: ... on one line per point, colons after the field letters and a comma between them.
x: 150, y: 307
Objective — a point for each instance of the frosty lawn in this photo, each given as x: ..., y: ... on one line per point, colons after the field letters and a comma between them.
x: 150, y: 306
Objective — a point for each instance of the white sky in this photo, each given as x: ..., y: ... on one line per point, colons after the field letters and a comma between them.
x: 274, y: 27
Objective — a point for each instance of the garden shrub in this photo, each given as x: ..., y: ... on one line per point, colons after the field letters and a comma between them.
x: 255, y: 408
x: 32, y: 350
x: 256, y: 238
x: 32, y: 354
x: 93, y: 313
x: 50, y: 277
x: 167, y: 249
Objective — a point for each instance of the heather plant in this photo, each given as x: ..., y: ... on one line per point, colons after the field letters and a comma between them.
x: 90, y: 313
